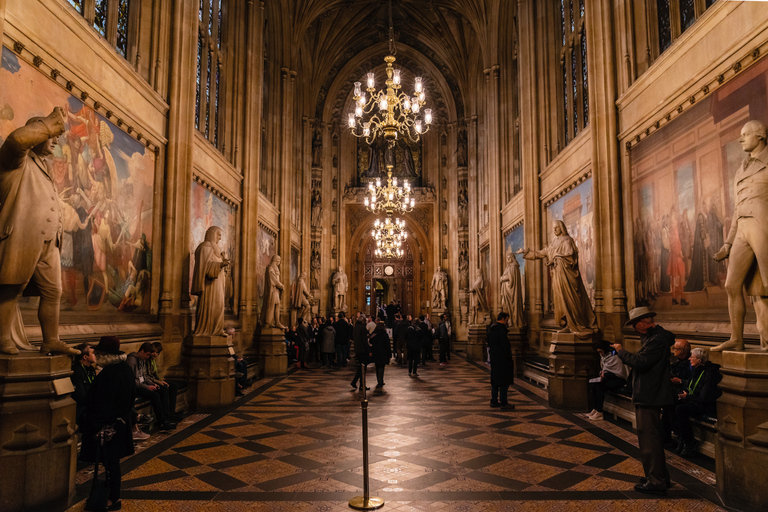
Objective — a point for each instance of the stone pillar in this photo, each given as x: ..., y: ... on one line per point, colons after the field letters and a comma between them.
x: 273, y: 361
x: 477, y: 343
x: 741, y: 451
x: 516, y: 337
x: 211, y: 371
x: 38, y: 448
x: 572, y: 362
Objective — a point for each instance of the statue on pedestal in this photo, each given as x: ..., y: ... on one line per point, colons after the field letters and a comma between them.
x: 302, y: 300
x: 477, y: 302
x: 208, y: 283
x: 512, y: 292
x: 340, y: 285
x: 747, y: 244
x: 573, y: 309
x: 30, y: 231
x: 439, y: 288
x: 273, y: 293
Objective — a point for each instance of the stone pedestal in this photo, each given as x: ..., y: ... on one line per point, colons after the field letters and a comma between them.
x: 273, y: 361
x: 741, y: 452
x: 210, y: 370
x: 572, y: 362
x: 516, y: 339
x: 477, y: 343
x: 38, y: 448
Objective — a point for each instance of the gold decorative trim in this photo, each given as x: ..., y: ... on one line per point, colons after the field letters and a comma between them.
x: 19, y: 49
x: 581, y: 179
x: 213, y: 190
x: 745, y: 62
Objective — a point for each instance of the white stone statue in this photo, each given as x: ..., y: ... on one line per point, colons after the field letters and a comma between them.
x: 273, y: 293
x: 439, y: 288
x: 340, y: 285
x: 477, y: 302
x: 512, y: 292
x: 573, y: 309
x: 747, y: 244
x: 302, y: 300
x: 208, y: 283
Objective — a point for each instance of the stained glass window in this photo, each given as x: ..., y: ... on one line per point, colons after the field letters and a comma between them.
x: 665, y: 25
x: 570, y: 10
x: 562, y: 20
x: 673, y: 17
x: 122, y: 27
x: 216, y: 106
x: 210, y: 70
x: 208, y: 100
x: 687, y: 14
x: 585, y: 79
x: 100, y: 17
x: 565, y: 101
x: 199, y: 79
x: 575, y: 90
x: 573, y: 80
x: 77, y: 4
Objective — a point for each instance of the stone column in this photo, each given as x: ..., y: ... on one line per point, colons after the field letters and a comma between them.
x: 572, y: 362
x: 273, y: 360
x: 38, y: 448
x: 477, y: 343
x: 211, y: 371
x: 741, y: 451
x: 517, y: 342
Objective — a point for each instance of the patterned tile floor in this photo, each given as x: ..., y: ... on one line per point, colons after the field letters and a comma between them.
x: 294, y: 443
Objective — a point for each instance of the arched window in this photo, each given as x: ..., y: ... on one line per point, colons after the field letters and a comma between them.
x: 673, y: 17
x: 210, y: 69
x: 115, y: 20
x: 573, y: 85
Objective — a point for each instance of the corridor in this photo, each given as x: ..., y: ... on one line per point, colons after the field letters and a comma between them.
x: 294, y: 443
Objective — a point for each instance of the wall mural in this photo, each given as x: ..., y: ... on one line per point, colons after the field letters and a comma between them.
x: 105, y: 181
x: 372, y: 161
x: 576, y: 210
x: 207, y: 209
x: 512, y: 242
x: 682, y: 190
x: 266, y: 247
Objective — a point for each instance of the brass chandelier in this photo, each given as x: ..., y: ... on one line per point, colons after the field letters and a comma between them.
x: 389, y: 198
x: 397, y: 111
x: 389, y: 237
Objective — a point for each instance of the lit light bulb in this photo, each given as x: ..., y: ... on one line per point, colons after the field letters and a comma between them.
x: 371, y: 82
x: 413, y: 202
x: 394, y: 181
x: 415, y: 105
x: 378, y: 182
x: 407, y: 104
x: 421, y: 97
x: 367, y: 129
x: 428, y: 115
x: 417, y: 84
x: 383, y: 104
x: 358, y: 111
x: 351, y: 120
x: 396, y: 77
x: 418, y: 126
x: 357, y: 89
x: 366, y: 202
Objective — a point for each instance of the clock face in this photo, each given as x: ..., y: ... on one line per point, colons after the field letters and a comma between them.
x: 388, y: 270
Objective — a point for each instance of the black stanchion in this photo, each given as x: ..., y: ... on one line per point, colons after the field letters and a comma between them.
x: 365, y: 502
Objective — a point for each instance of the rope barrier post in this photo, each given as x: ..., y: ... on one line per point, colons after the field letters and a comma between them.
x: 365, y: 502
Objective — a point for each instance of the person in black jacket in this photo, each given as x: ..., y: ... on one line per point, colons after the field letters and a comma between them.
x: 443, y: 340
x: 381, y: 349
x: 651, y: 390
x: 83, y: 373
x: 502, y: 364
x: 399, y: 336
x: 680, y: 373
x: 413, y: 343
x: 110, y: 404
x: 699, y: 396
x: 362, y: 349
x: 343, y: 335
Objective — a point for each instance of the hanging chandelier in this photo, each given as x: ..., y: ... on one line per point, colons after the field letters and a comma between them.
x: 389, y: 237
x: 397, y: 111
x: 389, y: 198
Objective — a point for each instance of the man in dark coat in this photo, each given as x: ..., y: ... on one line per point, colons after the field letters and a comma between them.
x: 651, y: 390
x: 362, y: 349
x: 443, y: 340
x: 110, y: 403
x: 399, y: 336
x: 699, y: 396
x: 414, y: 340
x: 381, y: 350
x: 502, y: 364
x: 343, y: 335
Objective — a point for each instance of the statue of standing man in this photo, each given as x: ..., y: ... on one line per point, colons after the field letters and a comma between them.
x: 208, y: 283
x: 512, y: 292
x: 477, y: 302
x: 30, y: 231
x: 340, y: 285
x: 302, y: 300
x: 273, y: 291
x: 439, y: 288
x: 747, y: 244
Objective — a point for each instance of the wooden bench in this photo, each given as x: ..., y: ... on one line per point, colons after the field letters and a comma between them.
x: 536, y: 369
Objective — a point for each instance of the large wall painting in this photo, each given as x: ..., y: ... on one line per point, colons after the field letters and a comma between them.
x: 105, y: 182
x: 682, y: 197
x: 513, y: 241
x: 576, y: 210
x: 207, y: 209
x: 266, y: 247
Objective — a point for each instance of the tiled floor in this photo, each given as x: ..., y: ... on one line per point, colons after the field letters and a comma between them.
x: 295, y: 444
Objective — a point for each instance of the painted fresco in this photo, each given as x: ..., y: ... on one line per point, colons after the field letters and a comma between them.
x: 105, y: 182
x: 682, y: 191
x: 515, y: 240
x: 372, y: 161
x: 266, y: 247
x: 206, y: 210
x: 576, y: 210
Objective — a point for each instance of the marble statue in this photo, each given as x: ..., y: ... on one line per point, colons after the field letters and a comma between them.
x: 340, y: 285
x: 317, y: 149
x: 317, y: 209
x: 573, y: 309
x: 477, y: 302
x: 314, y: 264
x: 30, y: 231
x: 512, y: 292
x: 273, y: 293
x: 208, y: 283
x: 439, y: 287
x: 463, y: 270
x: 302, y: 300
x: 747, y: 244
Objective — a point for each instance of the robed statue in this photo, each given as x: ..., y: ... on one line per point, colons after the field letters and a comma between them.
x: 477, y: 301
x: 273, y: 293
x: 208, y: 284
x: 340, y: 285
x: 573, y: 309
x: 439, y: 288
x: 512, y: 292
x: 302, y: 300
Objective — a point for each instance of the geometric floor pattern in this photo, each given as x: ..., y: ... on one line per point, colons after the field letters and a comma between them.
x: 295, y: 443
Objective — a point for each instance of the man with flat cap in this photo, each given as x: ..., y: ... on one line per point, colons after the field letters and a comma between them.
x: 651, y: 390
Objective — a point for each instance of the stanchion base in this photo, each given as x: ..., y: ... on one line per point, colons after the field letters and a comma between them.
x: 359, y: 503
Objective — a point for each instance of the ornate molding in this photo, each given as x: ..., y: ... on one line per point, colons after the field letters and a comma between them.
x: 581, y: 179
x: 215, y: 191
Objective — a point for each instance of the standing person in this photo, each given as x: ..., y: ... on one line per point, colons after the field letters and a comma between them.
x: 83, y: 373
x: 502, y: 364
x: 391, y: 313
x: 381, y: 349
x: 328, y: 344
x: 343, y: 335
x: 613, y: 376
x: 399, y: 335
x: 443, y: 340
x: 413, y: 343
x: 314, y: 340
x: 302, y: 331
x: 362, y: 350
x: 651, y: 390
x: 426, y: 340
x: 110, y: 404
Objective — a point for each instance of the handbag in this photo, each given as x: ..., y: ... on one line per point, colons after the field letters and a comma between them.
x: 99, y: 496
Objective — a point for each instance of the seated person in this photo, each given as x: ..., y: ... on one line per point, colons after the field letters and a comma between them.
x: 680, y: 372
x: 83, y: 373
x: 154, y: 373
x: 698, y: 397
x: 146, y: 387
x: 613, y: 376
